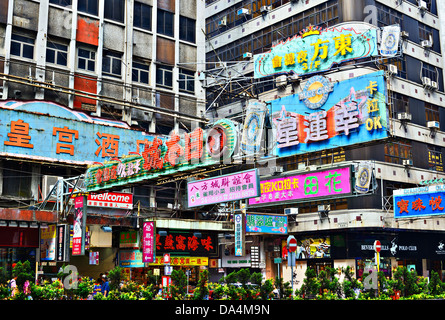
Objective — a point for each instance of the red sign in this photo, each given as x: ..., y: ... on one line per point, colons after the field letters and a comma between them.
x: 115, y: 200
x: 292, y: 245
x: 166, y: 258
x: 148, y: 242
x: 377, y: 246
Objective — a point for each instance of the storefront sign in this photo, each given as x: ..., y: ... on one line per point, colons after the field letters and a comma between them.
x: 48, y: 243
x: 79, y: 225
x: 331, y: 115
x: 182, y: 261
x: 41, y: 130
x: 326, y: 183
x: 62, y: 251
x: 113, y: 200
x: 313, y: 248
x: 316, y: 49
x: 129, y: 239
x: 230, y: 187
x: 266, y: 223
x: 130, y: 259
x: 240, y: 232
x: 148, y: 241
x: 422, y: 201
x: 167, y: 155
x: 187, y: 243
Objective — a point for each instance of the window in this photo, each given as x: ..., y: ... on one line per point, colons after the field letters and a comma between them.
x: 186, y: 80
x: 88, y: 6
x: 22, y: 46
x: 397, y: 151
x: 114, y: 10
x: 64, y: 3
x: 164, y: 76
x: 86, y: 59
x: 56, y: 53
x: 429, y: 71
x: 187, y: 29
x: 431, y: 112
x: 112, y: 64
x: 165, y: 22
x: 435, y: 159
x: 140, y: 72
x: 142, y: 16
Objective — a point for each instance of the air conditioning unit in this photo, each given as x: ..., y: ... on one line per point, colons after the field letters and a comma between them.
x: 407, y: 162
x: 404, y: 116
x: 422, y: 5
x: 433, y: 125
x: 427, y: 44
x: 247, y: 55
x: 276, y: 170
x: 291, y: 211
x: 392, y: 69
x: 426, y: 82
x: 404, y: 34
x: 48, y: 183
x: 222, y: 22
x: 293, y: 77
x: 265, y: 9
x: 281, y: 81
x: 243, y: 12
x: 324, y: 207
x: 434, y: 85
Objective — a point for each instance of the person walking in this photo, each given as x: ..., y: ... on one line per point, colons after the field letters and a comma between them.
x: 105, y: 289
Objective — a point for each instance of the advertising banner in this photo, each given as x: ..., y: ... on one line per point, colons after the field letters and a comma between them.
x: 326, y: 183
x: 148, y: 241
x: 253, y: 128
x: 316, y: 49
x: 389, y: 45
x: 114, y: 200
x: 240, y: 232
x: 182, y: 261
x: 230, y: 187
x: 329, y: 114
x: 417, y: 202
x: 313, y: 248
x: 130, y: 259
x: 79, y: 225
x: 62, y: 250
x: 266, y: 223
x: 48, y: 243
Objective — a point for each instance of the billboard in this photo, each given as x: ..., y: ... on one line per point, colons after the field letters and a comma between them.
x: 329, y: 114
x: 79, y: 224
x: 313, y: 248
x: 266, y: 223
x: 115, y: 200
x: 230, y: 187
x: 418, y: 202
x: 316, y: 50
x: 326, y: 183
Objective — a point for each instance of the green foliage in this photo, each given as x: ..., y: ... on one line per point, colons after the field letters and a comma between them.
x: 85, y: 287
x: 311, y: 285
x: 115, y: 277
x: 23, y: 272
x: 435, y: 287
x: 179, y: 287
x: 202, y: 289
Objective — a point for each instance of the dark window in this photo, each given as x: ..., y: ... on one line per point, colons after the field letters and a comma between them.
x: 114, y: 10
x: 187, y: 29
x: 140, y: 72
x: 142, y: 16
x: 435, y: 159
x: 112, y: 64
x: 86, y: 59
x: 56, y: 53
x: 88, y: 6
x: 164, y: 76
x: 397, y: 151
x: 22, y: 46
x: 165, y: 22
x: 63, y: 3
x: 186, y: 80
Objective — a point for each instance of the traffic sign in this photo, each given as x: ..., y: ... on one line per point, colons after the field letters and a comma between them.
x: 377, y: 246
x: 291, y: 244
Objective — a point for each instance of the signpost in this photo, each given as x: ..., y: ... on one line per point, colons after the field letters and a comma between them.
x: 291, y: 248
x: 377, y: 248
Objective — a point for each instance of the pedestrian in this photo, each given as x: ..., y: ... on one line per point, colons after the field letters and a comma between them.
x: 13, y: 286
x: 105, y: 289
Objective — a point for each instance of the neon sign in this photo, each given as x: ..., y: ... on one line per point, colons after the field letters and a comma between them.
x: 422, y: 201
x: 166, y: 155
x: 316, y: 92
x: 316, y: 50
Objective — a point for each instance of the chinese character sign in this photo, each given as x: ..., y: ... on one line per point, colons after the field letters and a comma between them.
x: 187, y: 242
x: 235, y: 186
x: 266, y: 223
x: 327, y: 183
x: 148, y: 241
x: 48, y: 243
x: 327, y: 114
x: 316, y: 50
x: 422, y: 201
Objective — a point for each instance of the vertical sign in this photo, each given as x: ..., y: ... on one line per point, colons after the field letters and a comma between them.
x: 62, y: 243
x: 148, y: 242
x: 48, y: 243
x: 239, y: 234
x: 79, y: 225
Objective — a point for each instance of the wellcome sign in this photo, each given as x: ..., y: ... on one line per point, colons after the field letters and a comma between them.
x: 166, y: 155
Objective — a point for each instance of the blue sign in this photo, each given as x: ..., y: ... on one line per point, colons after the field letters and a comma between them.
x: 46, y: 131
x: 418, y: 202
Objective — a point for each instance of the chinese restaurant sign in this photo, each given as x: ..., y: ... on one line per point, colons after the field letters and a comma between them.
x: 422, y: 201
x: 167, y: 156
x: 46, y: 131
x: 327, y: 183
x: 187, y: 243
x: 316, y: 50
x: 331, y: 115
x: 182, y: 261
x: 266, y: 223
x: 230, y: 187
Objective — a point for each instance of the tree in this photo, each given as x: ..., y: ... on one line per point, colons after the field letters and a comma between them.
x: 202, y: 289
x: 435, y: 286
x: 311, y: 285
x: 115, y: 276
x: 179, y: 280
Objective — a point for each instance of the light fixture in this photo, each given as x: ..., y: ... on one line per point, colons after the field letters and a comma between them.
x: 197, y: 234
x: 106, y: 229
x: 162, y: 233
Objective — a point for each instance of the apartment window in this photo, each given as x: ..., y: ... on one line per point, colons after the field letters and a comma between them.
x: 429, y: 71
x: 57, y: 53
x: 397, y: 151
x: 114, y: 10
x: 22, y: 46
x: 88, y: 6
x: 165, y: 22
x: 187, y: 29
x: 140, y: 72
x: 435, y: 159
x: 164, y: 76
x: 186, y: 80
x: 142, y: 16
x: 63, y: 3
x: 86, y: 59
x: 112, y: 64
x: 431, y: 112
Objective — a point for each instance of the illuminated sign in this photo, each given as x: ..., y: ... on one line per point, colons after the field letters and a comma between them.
x: 166, y: 156
x: 253, y: 128
x: 266, y: 223
x: 316, y: 50
x: 313, y: 248
x: 115, y: 200
x: 46, y: 131
x: 148, y: 241
x: 189, y: 243
x: 330, y: 116
x: 422, y: 201
x: 230, y: 187
x: 326, y: 183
